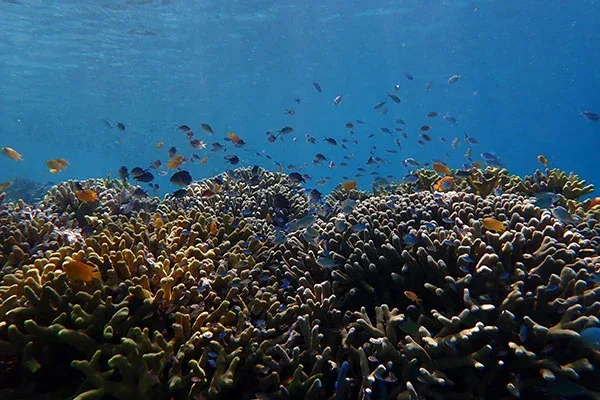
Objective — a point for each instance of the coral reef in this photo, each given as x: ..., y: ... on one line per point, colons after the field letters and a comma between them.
x: 403, y: 295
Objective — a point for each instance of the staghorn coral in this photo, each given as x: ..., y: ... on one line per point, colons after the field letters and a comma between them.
x: 196, y: 300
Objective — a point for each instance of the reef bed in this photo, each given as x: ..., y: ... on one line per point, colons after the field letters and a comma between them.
x: 244, y: 287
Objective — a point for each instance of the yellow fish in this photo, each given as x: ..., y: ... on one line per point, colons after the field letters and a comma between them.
x: 493, y: 224
x: 176, y: 161
x: 5, y: 185
x: 88, y: 195
x: 441, y: 168
x: 349, y: 185
x: 11, y: 153
x: 80, y: 271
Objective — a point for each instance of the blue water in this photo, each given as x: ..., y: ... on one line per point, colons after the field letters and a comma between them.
x: 528, y: 70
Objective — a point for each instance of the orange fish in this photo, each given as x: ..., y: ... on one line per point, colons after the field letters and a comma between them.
x: 477, y: 164
x: 349, y: 185
x: 87, y: 195
x: 493, y: 224
x: 159, y: 145
x: 158, y: 221
x: 56, y: 165
x: 442, y: 168
x: 2, y: 196
x: 542, y: 160
x: 595, y: 202
x: 80, y: 271
x: 11, y: 153
x: 268, y: 218
x: 444, y: 184
x: 213, y: 227
x: 5, y: 185
x: 235, y: 139
x: 412, y: 296
x: 176, y: 161
x: 203, y: 160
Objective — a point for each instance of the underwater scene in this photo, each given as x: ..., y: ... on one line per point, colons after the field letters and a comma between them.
x: 263, y: 200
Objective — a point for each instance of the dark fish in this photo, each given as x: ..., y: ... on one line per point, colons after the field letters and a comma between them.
x: 358, y: 121
x: 379, y: 105
x: 432, y: 114
x: 139, y: 192
x: 181, y: 178
x: 349, y: 125
x: 184, y: 128
x: 296, y: 177
x: 137, y: 171
x: 331, y: 141
x: 197, y: 144
x: 315, y: 195
x: 279, y: 201
x: 425, y: 128
x: 172, y: 152
x: 470, y: 139
x: 337, y: 100
x: 216, y: 147
x: 385, y: 130
x: 317, y: 87
x: 124, y: 173
x: 454, y: 78
x: 450, y: 119
x: 272, y: 138
x: 426, y: 137
x: 428, y: 86
x: 232, y: 159
x: 320, y: 157
x: 399, y: 121
x: 178, y: 194
x: 144, y: 177
x: 408, y: 76
x: 286, y: 130
x: 206, y: 127
x: 592, y: 116
x: 121, y: 126
x: 255, y: 170
x: 107, y: 124
x: 395, y: 98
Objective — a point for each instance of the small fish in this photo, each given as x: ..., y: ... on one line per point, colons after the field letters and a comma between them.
x: 197, y: 144
x: 470, y: 139
x: 317, y: 87
x: 455, y: 142
x: 11, y: 153
x: 120, y: 126
x: 235, y: 139
x: 444, y: 184
x: 425, y: 128
x: 5, y: 185
x: 181, y: 178
x: 428, y: 86
x: 232, y: 159
x: 80, y: 271
x: 592, y: 116
x: 561, y: 214
x: 546, y: 199
x: 395, y: 98
x: 156, y: 164
x: 349, y: 185
x: 399, y: 121
x: 425, y: 137
x: 176, y: 161
x: 296, y: 177
x: 180, y: 193
x: 441, y: 168
x: 408, y: 239
x: 87, y: 195
x: 331, y: 141
x: 184, y: 128
x: 542, y: 160
x: 207, y: 128
x: 158, y: 221
x: 213, y: 228
x: 411, y: 179
x: 493, y: 224
x: 139, y: 192
x: 454, y: 78
x: 160, y: 145
x: 411, y: 162
x: 412, y: 296
x: 315, y: 195
x: 408, y: 76
x: 337, y: 100
x: 326, y: 262
x: 450, y: 119
x: 123, y: 173
x: 57, y: 165
x: 432, y: 114
x: 301, y: 223
x: 216, y: 147
x: 378, y: 105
